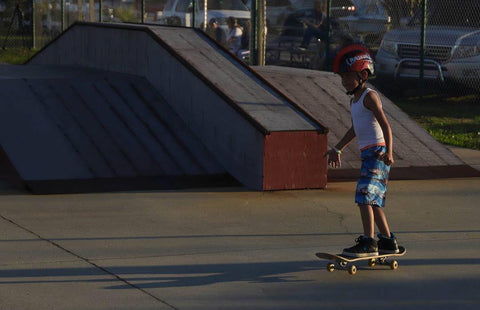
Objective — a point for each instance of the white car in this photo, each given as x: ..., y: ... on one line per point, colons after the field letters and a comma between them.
x: 180, y: 12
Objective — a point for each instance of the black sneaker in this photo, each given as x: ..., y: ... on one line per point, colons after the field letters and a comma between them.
x: 365, y: 247
x: 387, y: 245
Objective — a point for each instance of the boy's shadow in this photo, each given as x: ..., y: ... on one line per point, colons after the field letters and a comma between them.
x: 199, y: 275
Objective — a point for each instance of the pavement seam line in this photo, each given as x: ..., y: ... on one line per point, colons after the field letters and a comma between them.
x: 88, y: 262
x: 340, y: 216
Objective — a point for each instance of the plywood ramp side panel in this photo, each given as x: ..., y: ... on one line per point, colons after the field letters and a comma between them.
x: 228, y: 135
x: 294, y: 160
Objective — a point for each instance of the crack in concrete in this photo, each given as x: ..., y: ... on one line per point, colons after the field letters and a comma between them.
x: 86, y: 260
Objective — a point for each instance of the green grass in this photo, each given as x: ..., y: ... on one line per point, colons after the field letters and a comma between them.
x: 15, y: 56
x: 453, y: 120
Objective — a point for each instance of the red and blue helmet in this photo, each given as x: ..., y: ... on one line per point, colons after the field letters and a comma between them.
x: 353, y: 58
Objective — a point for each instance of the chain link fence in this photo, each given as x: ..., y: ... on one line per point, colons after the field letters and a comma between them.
x: 16, y: 22
x: 34, y: 23
x: 416, y: 43
x: 433, y: 44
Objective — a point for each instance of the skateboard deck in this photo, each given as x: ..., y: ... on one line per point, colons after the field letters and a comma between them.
x: 343, y: 261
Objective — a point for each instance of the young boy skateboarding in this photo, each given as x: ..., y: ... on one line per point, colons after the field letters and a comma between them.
x: 370, y: 126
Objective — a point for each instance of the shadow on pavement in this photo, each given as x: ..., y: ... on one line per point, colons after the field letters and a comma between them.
x: 147, y: 277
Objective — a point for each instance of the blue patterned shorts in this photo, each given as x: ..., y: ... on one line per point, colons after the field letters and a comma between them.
x: 372, y: 184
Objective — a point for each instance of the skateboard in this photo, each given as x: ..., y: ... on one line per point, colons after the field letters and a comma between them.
x: 343, y: 261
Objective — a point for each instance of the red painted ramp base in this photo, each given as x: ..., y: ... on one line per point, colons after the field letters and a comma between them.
x: 294, y: 160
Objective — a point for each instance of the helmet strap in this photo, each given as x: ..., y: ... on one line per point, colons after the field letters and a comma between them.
x: 359, y: 86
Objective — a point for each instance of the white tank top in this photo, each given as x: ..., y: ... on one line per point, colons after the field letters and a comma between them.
x: 367, y: 129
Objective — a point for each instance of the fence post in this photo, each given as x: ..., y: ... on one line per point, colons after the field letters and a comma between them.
x: 205, y: 15
x: 422, y: 50
x: 62, y: 17
x: 329, y: 33
x: 34, y: 41
x: 254, y: 34
x: 194, y: 8
x: 262, y: 23
x: 257, y: 25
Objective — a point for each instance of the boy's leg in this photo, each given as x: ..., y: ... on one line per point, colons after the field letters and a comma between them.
x: 387, y: 242
x: 381, y: 221
x: 371, y: 216
x: 365, y: 245
x: 368, y: 220
x: 371, y: 188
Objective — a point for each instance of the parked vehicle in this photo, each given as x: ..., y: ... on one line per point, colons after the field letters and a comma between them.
x: 338, y: 8
x: 279, y: 10
x: 303, y: 9
x: 369, y: 22
x: 180, y: 12
x: 452, y: 51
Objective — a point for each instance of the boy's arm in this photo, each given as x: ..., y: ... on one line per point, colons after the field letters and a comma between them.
x: 373, y: 103
x: 334, y: 153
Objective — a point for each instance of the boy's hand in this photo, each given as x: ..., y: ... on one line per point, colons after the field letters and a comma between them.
x: 333, y: 158
x: 387, y: 159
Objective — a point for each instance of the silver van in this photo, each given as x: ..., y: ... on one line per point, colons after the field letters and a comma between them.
x: 452, y: 51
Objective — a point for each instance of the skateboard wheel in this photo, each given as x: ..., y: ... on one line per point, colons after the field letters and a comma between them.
x: 394, y: 265
x: 352, y: 270
x: 343, y: 264
x: 331, y: 267
x: 371, y: 262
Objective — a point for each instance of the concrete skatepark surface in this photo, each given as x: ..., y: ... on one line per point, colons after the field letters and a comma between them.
x: 231, y: 248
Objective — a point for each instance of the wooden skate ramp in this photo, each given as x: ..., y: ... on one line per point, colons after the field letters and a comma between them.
x: 250, y: 130
x: 135, y: 107
x: 417, y: 154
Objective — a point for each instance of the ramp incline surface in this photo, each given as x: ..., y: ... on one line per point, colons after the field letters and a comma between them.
x: 417, y: 154
x: 61, y: 123
x: 252, y: 131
